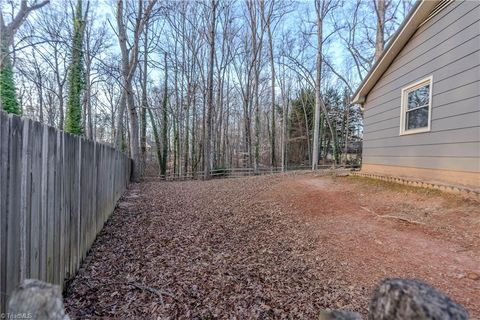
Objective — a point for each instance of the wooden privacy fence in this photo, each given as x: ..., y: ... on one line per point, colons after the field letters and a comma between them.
x: 56, y: 192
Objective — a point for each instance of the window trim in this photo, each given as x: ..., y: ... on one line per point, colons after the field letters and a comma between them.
x: 404, y: 105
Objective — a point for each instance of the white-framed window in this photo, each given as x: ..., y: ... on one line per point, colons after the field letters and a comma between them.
x: 416, y: 107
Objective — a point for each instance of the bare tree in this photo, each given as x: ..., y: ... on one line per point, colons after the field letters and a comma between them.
x: 129, y: 65
x: 7, y: 31
x: 267, y: 20
x: 96, y: 43
x: 322, y: 8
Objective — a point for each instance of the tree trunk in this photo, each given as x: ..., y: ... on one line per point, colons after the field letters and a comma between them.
x: 60, y: 85
x: 345, y: 150
x: 119, y: 132
x: 134, y: 133
x: 379, y: 38
x: 272, y: 68
x: 163, y: 165
x: 307, y: 129
x: 194, y: 161
x: 208, y: 138
x: 156, y: 136
x: 87, y: 100
x: 143, y: 110
x: 257, y: 123
x: 187, y: 131
x: 316, y: 129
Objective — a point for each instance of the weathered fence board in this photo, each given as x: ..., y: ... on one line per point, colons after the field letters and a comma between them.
x: 15, y: 253
x: 56, y: 192
x: 52, y: 219
x: 4, y: 156
x: 36, y: 197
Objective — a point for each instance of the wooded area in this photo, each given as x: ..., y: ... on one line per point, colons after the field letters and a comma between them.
x: 56, y: 192
x: 191, y: 86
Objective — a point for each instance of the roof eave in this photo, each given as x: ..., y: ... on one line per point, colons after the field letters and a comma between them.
x: 417, y: 15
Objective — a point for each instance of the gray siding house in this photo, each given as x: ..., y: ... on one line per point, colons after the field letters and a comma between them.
x: 421, y: 99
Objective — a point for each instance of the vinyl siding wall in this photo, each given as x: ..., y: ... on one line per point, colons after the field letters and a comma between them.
x: 448, y: 48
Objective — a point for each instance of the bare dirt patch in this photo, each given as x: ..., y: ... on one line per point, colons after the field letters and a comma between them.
x: 274, y: 247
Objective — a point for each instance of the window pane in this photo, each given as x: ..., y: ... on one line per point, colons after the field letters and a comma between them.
x: 418, y: 97
x: 417, y: 119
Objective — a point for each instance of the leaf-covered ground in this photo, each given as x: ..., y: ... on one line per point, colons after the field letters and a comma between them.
x: 272, y: 247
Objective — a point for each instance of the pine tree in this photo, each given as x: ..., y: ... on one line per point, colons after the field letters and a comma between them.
x: 73, y: 123
x: 8, y: 96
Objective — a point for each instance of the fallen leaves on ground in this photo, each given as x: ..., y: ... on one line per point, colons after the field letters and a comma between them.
x: 226, y: 249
